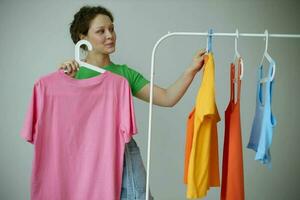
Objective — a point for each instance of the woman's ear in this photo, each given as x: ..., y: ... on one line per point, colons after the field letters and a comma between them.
x: 81, y: 36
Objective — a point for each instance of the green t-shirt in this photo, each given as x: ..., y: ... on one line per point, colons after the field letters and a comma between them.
x: 135, y: 79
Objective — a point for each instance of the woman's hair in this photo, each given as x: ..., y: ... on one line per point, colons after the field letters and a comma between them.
x: 83, y: 18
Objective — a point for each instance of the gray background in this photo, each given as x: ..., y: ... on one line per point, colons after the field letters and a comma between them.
x: 35, y: 40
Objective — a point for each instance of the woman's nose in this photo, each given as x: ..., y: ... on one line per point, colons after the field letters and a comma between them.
x: 108, y: 34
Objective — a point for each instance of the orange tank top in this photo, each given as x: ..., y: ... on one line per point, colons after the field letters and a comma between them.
x: 232, y: 168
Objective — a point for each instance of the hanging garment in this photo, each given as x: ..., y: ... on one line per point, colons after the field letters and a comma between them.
x: 79, y: 129
x: 203, y: 165
x: 264, y: 121
x: 134, y: 173
x: 188, y: 143
x: 232, y: 167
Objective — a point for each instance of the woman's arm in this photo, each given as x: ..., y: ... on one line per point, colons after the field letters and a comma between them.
x: 170, y: 96
x: 161, y: 97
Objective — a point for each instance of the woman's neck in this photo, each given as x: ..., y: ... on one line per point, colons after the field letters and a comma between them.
x: 98, y: 60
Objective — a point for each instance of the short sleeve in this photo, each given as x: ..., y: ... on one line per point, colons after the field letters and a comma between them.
x: 127, y: 116
x: 136, y: 80
x: 29, y: 129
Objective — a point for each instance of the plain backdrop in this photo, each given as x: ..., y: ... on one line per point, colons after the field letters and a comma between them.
x: 35, y: 39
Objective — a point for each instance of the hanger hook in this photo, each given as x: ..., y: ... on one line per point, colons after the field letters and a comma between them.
x: 77, y: 48
x: 267, y: 40
x: 235, y: 40
x: 238, y: 55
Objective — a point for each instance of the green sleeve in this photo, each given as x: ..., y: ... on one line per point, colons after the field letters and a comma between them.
x: 136, y: 80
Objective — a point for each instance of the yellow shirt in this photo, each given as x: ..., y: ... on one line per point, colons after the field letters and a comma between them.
x: 203, y: 167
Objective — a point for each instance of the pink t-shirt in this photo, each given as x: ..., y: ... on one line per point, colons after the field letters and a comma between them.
x: 79, y: 129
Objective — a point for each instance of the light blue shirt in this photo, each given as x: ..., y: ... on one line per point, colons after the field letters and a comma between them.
x: 264, y: 121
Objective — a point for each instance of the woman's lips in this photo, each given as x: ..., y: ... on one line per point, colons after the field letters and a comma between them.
x: 109, y: 45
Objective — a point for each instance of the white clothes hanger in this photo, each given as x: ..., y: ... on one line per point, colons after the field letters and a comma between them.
x: 82, y: 63
x: 269, y: 58
x: 237, y: 54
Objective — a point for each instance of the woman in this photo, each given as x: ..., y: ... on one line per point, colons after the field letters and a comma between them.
x: 95, y: 24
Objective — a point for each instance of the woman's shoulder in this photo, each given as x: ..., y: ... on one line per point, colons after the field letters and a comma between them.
x: 121, y: 66
x: 124, y: 68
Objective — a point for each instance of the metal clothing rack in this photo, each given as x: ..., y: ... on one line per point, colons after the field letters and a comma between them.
x: 152, y: 74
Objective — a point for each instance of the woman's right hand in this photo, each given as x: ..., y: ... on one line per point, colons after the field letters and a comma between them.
x: 70, y: 67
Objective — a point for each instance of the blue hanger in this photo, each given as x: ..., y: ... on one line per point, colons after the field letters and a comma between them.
x: 209, y: 40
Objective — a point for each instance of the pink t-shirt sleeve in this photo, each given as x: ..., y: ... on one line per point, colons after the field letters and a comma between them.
x: 29, y: 129
x: 127, y: 115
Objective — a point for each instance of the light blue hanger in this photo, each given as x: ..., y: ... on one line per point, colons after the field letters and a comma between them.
x: 209, y: 40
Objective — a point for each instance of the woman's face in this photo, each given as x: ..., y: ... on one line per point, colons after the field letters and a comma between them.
x: 101, y: 35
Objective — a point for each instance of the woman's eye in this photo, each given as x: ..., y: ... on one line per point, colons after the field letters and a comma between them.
x: 100, y: 31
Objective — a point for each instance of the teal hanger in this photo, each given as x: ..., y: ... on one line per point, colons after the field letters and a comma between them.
x: 209, y: 40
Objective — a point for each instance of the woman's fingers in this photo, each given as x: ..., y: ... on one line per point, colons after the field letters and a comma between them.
x: 200, y: 55
x: 70, y: 67
x: 201, y: 52
x: 74, y: 65
x: 77, y: 65
x: 62, y: 66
